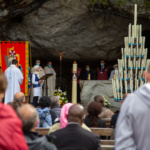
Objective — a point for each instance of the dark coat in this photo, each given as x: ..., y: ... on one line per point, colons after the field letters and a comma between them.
x: 38, y: 143
x: 114, y: 119
x: 74, y: 137
x: 57, y: 110
x: 101, y: 123
x: 85, y: 75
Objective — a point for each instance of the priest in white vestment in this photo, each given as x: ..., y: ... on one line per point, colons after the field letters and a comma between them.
x: 51, y: 82
x: 14, y: 78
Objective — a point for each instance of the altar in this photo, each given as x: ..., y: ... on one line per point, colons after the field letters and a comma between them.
x: 91, y: 88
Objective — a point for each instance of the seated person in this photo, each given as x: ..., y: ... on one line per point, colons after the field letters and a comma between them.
x: 19, y: 98
x: 63, y: 119
x: 14, y: 105
x: 29, y: 118
x: 106, y: 113
x: 86, y: 74
x: 73, y: 136
x: 55, y: 105
x: 92, y: 119
x: 46, y: 117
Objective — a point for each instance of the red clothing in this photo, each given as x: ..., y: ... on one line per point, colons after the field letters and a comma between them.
x: 102, y: 75
x: 11, y: 134
x: 78, y: 74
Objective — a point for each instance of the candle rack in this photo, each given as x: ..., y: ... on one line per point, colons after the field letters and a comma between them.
x: 134, y: 62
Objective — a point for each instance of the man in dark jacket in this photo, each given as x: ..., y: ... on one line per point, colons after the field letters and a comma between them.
x: 29, y: 117
x: 74, y: 137
x: 87, y: 74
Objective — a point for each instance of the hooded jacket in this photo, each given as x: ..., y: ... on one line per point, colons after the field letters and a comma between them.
x: 11, y: 134
x: 38, y: 143
x: 132, y: 130
x: 44, y: 117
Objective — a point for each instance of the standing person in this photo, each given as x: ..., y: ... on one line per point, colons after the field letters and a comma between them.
x: 86, y: 74
x: 41, y: 72
x: 132, y: 129
x: 102, y: 71
x: 36, y: 85
x: 112, y: 74
x: 51, y: 82
x: 14, y: 78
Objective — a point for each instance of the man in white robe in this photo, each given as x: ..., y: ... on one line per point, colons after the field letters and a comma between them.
x: 14, y: 78
x: 51, y: 82
x: 132, y: 130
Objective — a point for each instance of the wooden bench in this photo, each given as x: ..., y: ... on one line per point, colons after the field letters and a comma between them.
x: 102, y: 131
x: 98, y: 131
x: 42, y: 131
x: 107, y: 121
x: 107, y: 147
x: 107, y: 142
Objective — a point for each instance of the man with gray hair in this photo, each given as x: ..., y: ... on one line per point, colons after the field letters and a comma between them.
x: 55, y: 105
x: 29, y: 117
x: 19, y: 98
x: 132, y: 130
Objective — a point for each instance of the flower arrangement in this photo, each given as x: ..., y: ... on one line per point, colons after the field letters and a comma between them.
x: 62, y: 95
x: 106, y: 103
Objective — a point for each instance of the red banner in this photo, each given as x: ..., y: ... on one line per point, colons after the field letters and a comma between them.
x: 19, y: 51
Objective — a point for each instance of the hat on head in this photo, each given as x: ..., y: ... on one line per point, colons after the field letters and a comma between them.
x: 116, y: 65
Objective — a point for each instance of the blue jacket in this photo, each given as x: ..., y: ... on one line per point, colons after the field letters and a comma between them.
x: 37, y: 80
x: 29, y: 79
x: 44, y: 117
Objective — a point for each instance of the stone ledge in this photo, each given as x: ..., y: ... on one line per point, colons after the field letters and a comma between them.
x: 89, y: 89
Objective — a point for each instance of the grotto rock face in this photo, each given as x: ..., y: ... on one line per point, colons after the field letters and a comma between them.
x: 68, y: 25
x: 90, y: 89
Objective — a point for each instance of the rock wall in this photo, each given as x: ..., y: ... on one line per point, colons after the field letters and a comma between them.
x: 68, y: 25
x: 89, y: 89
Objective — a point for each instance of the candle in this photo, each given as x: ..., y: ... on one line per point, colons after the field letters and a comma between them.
x: 89, y: 76
x: 74, y: 84
x: 114, y: 89
x: 135, y: 20
x: 129, y: 33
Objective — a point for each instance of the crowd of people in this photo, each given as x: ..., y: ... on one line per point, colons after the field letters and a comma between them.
x: 70, y: 125
x: 69, y: 121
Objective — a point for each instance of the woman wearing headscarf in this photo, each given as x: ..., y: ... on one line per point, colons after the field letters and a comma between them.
x: 63, y: 119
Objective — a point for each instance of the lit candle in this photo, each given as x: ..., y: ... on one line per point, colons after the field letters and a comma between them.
x: 89, y: 76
